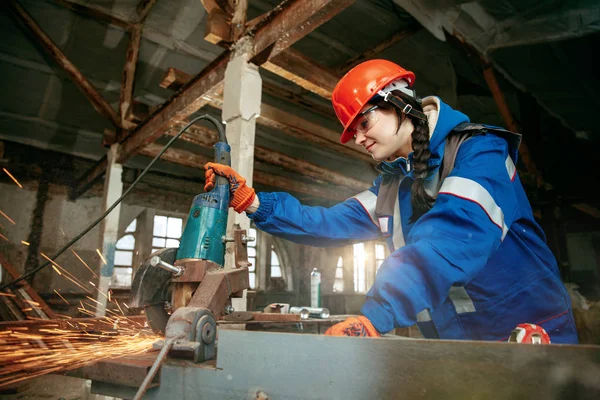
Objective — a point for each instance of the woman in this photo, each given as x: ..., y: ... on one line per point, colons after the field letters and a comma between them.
x: 468, y: 260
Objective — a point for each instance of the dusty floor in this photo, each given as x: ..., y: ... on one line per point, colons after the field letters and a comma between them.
x: 52, y: 387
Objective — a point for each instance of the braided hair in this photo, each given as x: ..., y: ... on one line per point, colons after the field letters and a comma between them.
x: 420, y: 199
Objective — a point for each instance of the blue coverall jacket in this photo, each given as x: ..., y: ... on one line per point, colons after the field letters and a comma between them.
x: 473, y: 267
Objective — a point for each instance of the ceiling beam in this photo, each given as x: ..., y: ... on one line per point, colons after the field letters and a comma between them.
x: 206, y: 137
x: 108, y: 16
x: 275, y: 118
x: 131, y: 59
x: 289, y: 64
x: 187, y: 158
x: 93, y: 12
x: 128, y: 79
x: 288, y: 22
x: 373, y: 52
x: 304, y: 72
x: 143, y: 9
x: 293, y: 14
x: 56, y: 53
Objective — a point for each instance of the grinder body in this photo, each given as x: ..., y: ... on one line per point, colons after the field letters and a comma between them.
x: 206, y: 226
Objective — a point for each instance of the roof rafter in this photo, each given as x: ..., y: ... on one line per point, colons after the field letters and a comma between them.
x: 287, y: 23
x: 61, y: 59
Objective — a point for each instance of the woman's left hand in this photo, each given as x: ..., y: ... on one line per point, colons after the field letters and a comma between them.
x: 353, y: 326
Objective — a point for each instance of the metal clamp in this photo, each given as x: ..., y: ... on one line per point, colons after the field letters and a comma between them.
x: 197, y: 329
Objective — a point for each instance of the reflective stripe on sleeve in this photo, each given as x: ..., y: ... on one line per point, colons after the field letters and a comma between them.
x: 424, y: 316
x: 461, y: 300
x: 510, y: 168
x: 368, y: 200
x: 470, y: 190
x: 398, y: 235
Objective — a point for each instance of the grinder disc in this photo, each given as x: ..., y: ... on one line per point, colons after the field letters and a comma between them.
x: 151, y: 290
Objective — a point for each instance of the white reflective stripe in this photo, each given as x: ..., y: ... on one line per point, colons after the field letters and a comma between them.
x: 470, y: 190
x: 461, y: 300
x: 510, y: 168
x: 368, y: 200
x: 424, y: 316
x: 384, y: 224
x: 398, y: 237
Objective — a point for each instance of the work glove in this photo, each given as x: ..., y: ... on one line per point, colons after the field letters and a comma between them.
x: 353, y: 326
x: 242, y: 196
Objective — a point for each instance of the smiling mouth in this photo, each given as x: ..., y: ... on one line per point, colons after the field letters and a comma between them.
x: 371, y: 145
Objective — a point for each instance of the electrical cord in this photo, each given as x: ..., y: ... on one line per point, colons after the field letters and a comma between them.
x: 207, y: 117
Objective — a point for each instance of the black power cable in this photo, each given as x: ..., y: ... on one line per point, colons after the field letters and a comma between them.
x: 207, y: 117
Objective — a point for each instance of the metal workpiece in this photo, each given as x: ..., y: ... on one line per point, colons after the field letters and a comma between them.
x: 294, y: 366
x: 217, y: 287
x: 155, y: 261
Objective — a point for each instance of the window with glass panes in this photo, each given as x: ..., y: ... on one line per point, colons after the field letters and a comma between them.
x: 252, y: 257
x: 166, y: 232
x: 338, y: 284
x: 124, y: 258
x: 275, y: 265
x: 379, y: 255
x: 360, y: 273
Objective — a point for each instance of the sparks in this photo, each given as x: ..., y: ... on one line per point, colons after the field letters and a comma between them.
x: 84, y: 263
x: 8, y: 218
x: 25, y: 243
x: 4, y: 237
x: 12, y: 177
x: 7, y: 294
x: 101, y: 256
x: 26, y: 355
x: 65, y: 300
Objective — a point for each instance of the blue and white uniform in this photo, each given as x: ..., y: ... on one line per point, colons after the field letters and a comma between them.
x: 473, y: 267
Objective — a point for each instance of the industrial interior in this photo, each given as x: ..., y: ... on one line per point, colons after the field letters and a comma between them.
x: 112, y: 108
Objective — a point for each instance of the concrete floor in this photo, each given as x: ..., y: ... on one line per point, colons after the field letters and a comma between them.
x: 52, y: 387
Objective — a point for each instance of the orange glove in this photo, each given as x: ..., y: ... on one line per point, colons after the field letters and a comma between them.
x: 353, y: 326
x: 241, y: 195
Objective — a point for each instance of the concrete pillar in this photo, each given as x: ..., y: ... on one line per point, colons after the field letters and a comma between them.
x: 241, y: 107
x: 109, y: 227
x: 263, y: 257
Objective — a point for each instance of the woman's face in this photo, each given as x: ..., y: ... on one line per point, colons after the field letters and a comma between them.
x: 376, y: 129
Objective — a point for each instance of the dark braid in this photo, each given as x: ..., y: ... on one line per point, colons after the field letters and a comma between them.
x: 421, y: 200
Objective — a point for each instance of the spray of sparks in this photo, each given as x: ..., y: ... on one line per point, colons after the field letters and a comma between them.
x: 54, y: 346
x: 29, y: 352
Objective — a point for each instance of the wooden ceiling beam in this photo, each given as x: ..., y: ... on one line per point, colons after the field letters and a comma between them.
x: 143, y: 9
x: 187, y: 158
x: 283, y: 121
x: 290, y: 21
x: 209, y: 81
x: 93, y: 12
x: 373, y: 52
x: 61, y: 59
x: 304, y: 72
x: 131, y: 59
x: 206, y: 137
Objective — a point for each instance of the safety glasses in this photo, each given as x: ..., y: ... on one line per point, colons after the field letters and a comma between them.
x: 364, y: 121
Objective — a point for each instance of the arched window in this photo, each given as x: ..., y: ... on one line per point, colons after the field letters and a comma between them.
x: 123, y: 266
x: 338, y: 284
x: 275, y: 265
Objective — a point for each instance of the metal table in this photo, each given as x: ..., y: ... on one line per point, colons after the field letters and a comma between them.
x: 252, y: 364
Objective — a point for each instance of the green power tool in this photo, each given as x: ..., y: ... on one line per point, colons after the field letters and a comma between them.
x: 203, y: 240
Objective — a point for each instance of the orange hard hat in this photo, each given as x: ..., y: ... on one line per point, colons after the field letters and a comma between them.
x: 359, y: 85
